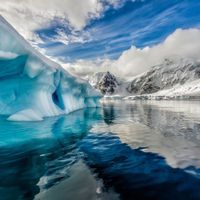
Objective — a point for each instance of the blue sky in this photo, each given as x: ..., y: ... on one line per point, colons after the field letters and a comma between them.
x: 138, y: 23
x: 126, y: 37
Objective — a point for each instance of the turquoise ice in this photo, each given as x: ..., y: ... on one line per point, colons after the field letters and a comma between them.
x: 33, y: 86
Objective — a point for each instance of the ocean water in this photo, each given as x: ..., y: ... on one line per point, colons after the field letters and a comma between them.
x: 123, y: 150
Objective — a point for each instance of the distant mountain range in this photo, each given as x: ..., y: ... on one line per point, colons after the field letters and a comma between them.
x: 173, y: 79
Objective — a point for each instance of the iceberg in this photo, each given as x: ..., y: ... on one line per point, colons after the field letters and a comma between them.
x: 25, y: 115
x: 32, y: 86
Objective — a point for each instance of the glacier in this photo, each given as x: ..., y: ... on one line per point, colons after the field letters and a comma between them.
x: 33, y: 86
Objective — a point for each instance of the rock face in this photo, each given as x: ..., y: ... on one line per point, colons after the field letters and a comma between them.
x: 105, y: 82
x: 164, y: 76
x: 143, y: 86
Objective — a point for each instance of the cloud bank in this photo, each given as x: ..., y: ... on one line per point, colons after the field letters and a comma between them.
x: 181, y: 43
x: 27, y: 16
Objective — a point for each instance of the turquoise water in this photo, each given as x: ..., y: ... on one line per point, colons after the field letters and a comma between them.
x: 133, y: 150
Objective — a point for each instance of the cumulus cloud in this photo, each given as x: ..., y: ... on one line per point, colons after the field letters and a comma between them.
x: 27, y: 15
x: 84, y: 68
x: 181, y: 43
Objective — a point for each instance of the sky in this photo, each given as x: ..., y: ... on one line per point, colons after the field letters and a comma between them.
x: 123, y: 36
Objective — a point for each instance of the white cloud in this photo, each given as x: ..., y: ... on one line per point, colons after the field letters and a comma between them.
x: 115, y: 3
x: 118, y: 3
x: 84, y: 68
x: 181, y: 43
x: 74, y: 36
x: 27, y: 15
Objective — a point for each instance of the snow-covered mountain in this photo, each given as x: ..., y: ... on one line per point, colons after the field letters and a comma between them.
x: 105, y: 82
x: 174, y: 78
x: 108, y: 84
x: 32, y: 86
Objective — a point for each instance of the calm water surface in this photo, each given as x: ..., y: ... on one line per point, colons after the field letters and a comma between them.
x: 124, y: 150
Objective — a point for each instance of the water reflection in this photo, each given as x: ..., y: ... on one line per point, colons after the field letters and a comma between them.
x: 36, y: 156
x: 136, y: 174
x: 108, y: 113
x: 171, y: 129
x: 141, y: 150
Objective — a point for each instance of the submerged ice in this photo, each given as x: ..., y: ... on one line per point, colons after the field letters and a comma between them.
x: 32, y: 86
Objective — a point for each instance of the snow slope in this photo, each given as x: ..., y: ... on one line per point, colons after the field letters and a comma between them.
x: 175, y: 78
x: 32, y: 86
x: 178, y: 78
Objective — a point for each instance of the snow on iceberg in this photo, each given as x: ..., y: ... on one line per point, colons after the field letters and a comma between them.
x: 32, y: 86
x: 25, y: 115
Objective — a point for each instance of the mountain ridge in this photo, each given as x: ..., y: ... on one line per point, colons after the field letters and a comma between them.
x: 173, y: 78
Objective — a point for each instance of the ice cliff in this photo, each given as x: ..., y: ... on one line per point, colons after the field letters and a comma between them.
x: 32, y: 86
